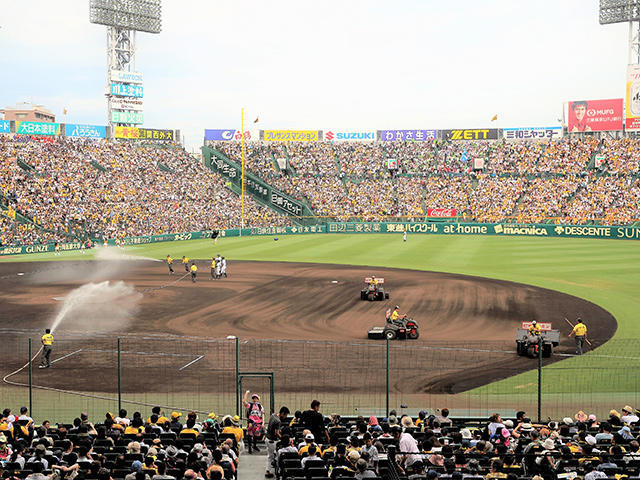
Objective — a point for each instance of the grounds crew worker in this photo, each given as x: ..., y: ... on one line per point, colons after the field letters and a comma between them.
x: 534, y: 328
x: 47, y: 342
x: 580, y: 331
x: 194, y: 269
x: 185, y: 263
x: 170, y: 263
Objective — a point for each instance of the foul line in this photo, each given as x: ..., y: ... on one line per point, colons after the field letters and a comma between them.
x: 67, y: 355
x: 191, y: 362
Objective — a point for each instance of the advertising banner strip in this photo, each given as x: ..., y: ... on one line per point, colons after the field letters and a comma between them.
x: 291, y: 136
x: 632, y: 111
x: 144, y: 133
x: 336, y: 135
x: 127, y: 117
x: 122, y: 90
x: 408, y: 135
x: 5, y: 126
x: 573, y: 231
x: 90, y: 131
x: 595, y: 115
x: 471, y: 134
x: 127, y: 103
x: 125, y: 77
x: 533, y: 133
x: 38, y: 128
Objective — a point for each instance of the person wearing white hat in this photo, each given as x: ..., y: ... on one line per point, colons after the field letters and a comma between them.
x: 255, y: 416
x: 628, y: 416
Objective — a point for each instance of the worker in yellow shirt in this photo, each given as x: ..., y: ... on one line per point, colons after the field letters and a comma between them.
x: 185, y: 263
x: 580, y: 331
x: 194, y: 270
x: 534, y: 328
x: 47, y: 345
x: 213, y: 268
x: 170, y: 264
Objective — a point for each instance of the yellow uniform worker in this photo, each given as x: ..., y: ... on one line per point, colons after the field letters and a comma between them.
x: 47, y: 343
x: 534, y: 328
x: 185, y: 262
x: 170, y: 263
x: 194, y: 269
x: 580, y: 331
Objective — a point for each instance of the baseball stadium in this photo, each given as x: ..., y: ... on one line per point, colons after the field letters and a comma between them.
x: 306, y: 303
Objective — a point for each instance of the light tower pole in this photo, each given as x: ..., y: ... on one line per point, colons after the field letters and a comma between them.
x: 123, y: 18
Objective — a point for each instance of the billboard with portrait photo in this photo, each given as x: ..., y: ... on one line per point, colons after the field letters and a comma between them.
x: 594, y: 115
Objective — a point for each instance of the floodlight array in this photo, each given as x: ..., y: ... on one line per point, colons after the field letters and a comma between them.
x: 139, y: 15
x: 619, y: 11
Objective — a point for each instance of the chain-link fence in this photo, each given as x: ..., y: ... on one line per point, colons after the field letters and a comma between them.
x: 97, y: 374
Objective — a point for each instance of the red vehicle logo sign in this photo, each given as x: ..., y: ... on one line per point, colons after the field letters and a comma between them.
x: 544, y: 326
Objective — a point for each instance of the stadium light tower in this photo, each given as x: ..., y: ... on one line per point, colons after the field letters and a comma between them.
x: 624, y: 11
x: 123, y: 18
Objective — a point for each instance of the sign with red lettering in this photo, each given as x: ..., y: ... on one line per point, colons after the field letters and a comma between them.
x: 442, y: 212
x: 544, y: 326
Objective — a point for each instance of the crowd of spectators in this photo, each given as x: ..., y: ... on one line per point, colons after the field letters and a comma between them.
x: 311, y: 445
x: 521, y: 181
x: 115, y: 189
x: 72, y: 188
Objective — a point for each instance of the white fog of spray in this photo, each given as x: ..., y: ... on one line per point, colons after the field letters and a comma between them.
x: 99, y: 307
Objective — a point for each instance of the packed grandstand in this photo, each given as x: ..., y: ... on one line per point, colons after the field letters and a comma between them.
x: 168, y: 446
x: 67, y: 189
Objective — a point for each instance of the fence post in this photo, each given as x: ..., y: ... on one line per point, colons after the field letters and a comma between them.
x: 540, y: 347
x: 30, y: 378
x: 387, y: 369
x: 119, y: 378
x: 237, y: 375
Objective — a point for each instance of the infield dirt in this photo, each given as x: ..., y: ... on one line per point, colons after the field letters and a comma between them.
x: 460, y: 317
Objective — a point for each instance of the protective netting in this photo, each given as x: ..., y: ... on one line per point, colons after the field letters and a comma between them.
x: 191, y: 373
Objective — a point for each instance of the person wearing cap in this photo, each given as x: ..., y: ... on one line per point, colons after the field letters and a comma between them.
x: 194, y: 271
x: 309, y: 439
x: 363, y: 470
x: 580, y: 331
x: 175, y: 421
x: 395, y: 315
x: 628, y: 416
x: 47, y: 345
x: 232, y: 425
x: 5, y: 450
x: 255, y: 417
x: 170, y: 264
x: 185, y: 263
x: 534, y: 328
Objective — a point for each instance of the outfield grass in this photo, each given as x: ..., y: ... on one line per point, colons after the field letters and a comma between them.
x: 603, y: 271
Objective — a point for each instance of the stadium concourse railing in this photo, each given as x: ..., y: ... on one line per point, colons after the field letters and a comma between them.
x: 427, y: 227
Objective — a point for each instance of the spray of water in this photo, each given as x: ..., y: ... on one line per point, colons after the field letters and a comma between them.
x: 99, y: 307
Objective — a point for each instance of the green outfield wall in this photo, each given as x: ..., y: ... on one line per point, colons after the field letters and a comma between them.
x: 498, y: 229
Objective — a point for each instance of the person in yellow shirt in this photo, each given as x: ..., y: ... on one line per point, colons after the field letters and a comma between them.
x: 185, y: 263
x: 47, y: 343
x: 170, y: 264
x: 194, y: 270
x: 232, y: 425
x: 580, y: 331
x: 213, y: 268
x: 534, y: 328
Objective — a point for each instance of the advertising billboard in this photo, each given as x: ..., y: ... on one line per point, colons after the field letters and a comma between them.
x: 122, y: 90
x: 471, y: 134
x: 88, y: 131
x: 442, y: 212
x: 219, y: 134
x: 5, y: 126
x: 37, y: 128
x: 144, y: 133
x: 127, y: 103
x: 125, y: 77
x: 336, y: 135
x: 291, y: 136
x: 632, y: 113
x: 127, y: 117
x: 532, y: 133
x: 595, y: 115
x: 408, y: 135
